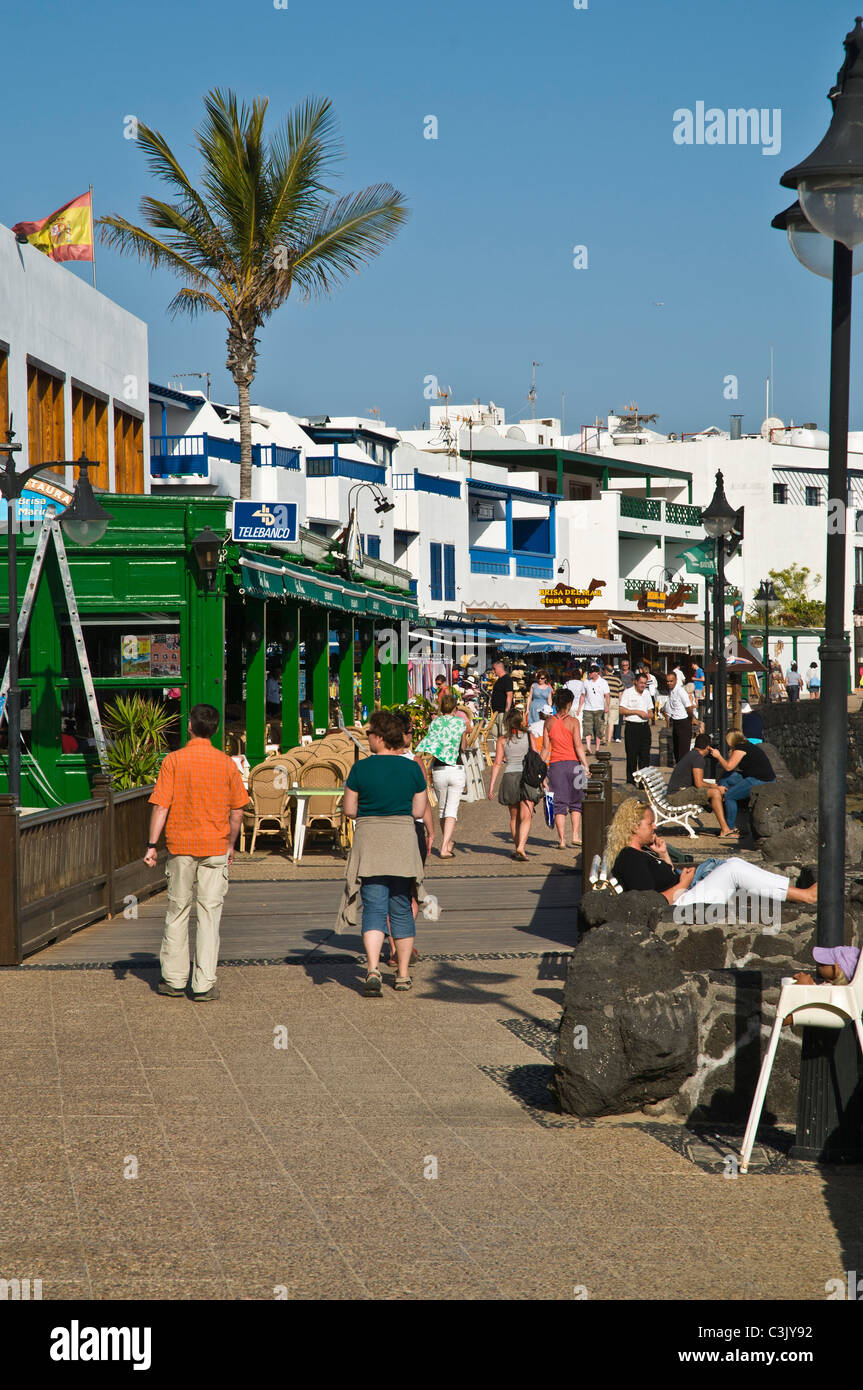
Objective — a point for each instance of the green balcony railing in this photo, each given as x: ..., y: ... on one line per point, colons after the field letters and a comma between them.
x: 641, y: 508
x: 633, y: 588
x: 680, y: 514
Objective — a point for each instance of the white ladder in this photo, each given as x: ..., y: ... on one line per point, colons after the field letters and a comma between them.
x: 51, y: 528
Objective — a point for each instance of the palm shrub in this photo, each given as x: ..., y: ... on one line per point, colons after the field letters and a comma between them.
x: 420, y: 711
x: 137, y: 743
x: 261, y: 221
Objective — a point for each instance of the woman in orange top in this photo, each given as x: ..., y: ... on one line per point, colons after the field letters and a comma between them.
x: 563, y: 750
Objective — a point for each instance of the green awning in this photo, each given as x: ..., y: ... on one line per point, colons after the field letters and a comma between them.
x: 267, y: 577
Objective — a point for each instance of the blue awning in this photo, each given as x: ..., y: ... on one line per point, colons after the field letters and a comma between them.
x: 527, y: 643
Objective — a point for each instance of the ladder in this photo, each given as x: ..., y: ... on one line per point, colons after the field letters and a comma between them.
x: 51, y: 529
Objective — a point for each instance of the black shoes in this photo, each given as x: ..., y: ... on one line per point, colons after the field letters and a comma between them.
x: 207, y: 997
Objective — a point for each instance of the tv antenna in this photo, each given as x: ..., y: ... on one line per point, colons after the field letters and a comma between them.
x: 531, y: 395
x: 201, y: 376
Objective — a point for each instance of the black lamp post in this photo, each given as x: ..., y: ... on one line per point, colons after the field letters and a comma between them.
x: 718, y: 521
x: 766, y: 599
x: 84, y: 522
x: 829, y: 185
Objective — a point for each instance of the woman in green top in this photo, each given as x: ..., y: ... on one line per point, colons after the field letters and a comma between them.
x: 381, y: 792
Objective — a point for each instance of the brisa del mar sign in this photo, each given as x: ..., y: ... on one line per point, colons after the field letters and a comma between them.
x: 37, y: 497
x: 563, y: 596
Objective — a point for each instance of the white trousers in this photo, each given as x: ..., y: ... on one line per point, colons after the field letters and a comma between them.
x: 449, y: 784
x: 185, y: 873
x: 722, y: 882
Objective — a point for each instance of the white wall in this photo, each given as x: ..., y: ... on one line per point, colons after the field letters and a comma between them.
x: 61, y: 322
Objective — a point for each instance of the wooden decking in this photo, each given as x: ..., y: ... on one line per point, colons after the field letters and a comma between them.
x: 277, y: 921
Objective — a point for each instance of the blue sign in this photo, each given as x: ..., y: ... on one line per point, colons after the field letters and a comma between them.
x: 265, y: 521
x: 32, y: 505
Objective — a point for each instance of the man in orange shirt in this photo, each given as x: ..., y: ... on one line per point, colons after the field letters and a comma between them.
x: 198, y: 800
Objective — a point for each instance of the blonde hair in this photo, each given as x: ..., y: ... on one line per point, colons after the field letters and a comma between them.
x: 628, y: 815
x: 736, y: 739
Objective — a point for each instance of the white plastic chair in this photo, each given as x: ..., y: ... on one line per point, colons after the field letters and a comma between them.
x: 813, y: 1006
x: 656, y: 787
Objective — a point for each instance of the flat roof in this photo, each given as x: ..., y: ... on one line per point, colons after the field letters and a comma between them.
x: 171, y: 397
x: 573, y: 461
x: 480, y: 485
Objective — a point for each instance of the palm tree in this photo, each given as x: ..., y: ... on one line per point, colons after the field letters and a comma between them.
x: 262, y: 221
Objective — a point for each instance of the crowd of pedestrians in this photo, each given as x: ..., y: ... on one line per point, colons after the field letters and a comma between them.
x: 540, y: 759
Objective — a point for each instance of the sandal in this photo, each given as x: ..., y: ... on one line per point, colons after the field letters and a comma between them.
x: 446, y: 856
x: 374, y: 984
x: 522, y: 858
x: 403, y: 982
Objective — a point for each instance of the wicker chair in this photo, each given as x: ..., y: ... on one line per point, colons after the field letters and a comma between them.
x: 324, y: 814
x: 269, y: 793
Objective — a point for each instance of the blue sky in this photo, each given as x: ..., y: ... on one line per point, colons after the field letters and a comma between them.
x: 554, y: 130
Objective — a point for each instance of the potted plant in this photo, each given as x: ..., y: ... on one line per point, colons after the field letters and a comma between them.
x: 136, y: 727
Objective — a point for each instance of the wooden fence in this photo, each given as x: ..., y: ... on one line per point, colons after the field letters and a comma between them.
x: 66, y: 868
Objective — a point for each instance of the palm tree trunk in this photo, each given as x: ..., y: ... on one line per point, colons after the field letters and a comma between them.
x: 241, y: 363
x: 245, y: 441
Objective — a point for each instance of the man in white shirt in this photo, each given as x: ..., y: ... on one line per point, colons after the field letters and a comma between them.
x: 636, y: 706
x: 597, y: 699
x: 576, y: 685
x: 678, y: 715
x: 681, y: 679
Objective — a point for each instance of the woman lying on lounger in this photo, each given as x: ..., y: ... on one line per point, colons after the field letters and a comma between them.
x: 641, y: 861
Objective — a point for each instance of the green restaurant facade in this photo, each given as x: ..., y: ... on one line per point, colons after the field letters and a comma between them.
x: 140, y: 591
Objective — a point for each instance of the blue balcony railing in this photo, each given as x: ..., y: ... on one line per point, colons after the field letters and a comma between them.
x: 327, y: 467
x: 275, y: 456
x: 426, y: 482
x: 533, y: 567
x: 188, y: 455
x: 488, y: 561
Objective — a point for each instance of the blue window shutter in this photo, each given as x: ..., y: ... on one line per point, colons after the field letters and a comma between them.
x: 449, y: 572
x: 436, y: 590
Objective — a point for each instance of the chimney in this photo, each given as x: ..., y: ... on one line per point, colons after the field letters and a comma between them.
x: 735, y: 426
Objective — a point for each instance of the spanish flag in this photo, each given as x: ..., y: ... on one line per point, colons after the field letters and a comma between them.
x: 67, y: 235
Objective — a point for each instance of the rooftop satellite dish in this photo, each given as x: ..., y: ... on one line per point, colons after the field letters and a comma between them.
x: 771, y: 423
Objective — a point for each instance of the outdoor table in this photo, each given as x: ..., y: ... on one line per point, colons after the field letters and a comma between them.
x: 303, y: 795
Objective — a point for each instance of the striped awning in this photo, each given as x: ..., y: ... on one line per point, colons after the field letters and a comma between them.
x: 665, y: 636
x: 267, y: 577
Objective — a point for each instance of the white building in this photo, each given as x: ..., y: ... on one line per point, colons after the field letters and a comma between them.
x: 73, y: 371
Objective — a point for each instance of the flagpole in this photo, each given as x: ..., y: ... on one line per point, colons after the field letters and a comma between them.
x: 93, y: 234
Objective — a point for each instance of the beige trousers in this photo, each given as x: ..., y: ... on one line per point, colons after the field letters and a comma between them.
x: 185, y: 873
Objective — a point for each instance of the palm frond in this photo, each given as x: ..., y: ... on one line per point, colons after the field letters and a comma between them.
x: 300, y: 153
x: 117, y: 231
x: 194, y: 302
x: 348, y: 234
x: 235, y: 161
x: 164, y: 164
x: 199, y: 242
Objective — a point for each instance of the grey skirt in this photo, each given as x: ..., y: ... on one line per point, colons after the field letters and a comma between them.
x: 510, y: 790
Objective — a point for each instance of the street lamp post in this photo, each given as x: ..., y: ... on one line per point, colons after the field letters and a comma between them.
x: 84, y: 522
x: 829, y: 185
x: 718, y: 521
x: 766, y: 599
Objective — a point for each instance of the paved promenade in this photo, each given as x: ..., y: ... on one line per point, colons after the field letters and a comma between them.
x: 296, y: 1139
x: 393, y: 1149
